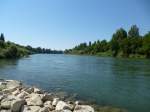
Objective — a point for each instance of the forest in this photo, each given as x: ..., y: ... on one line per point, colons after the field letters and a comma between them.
x: 12, y: 50
x: 122, y: 44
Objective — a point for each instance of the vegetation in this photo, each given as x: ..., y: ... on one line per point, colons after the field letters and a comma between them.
x: 12, y: 50
x: 122, y: 44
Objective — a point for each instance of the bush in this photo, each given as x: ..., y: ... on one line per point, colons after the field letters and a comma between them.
x: 11, y: 52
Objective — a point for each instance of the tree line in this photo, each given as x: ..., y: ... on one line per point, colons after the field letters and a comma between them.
x: 122, y: 44
x: 12, y: 50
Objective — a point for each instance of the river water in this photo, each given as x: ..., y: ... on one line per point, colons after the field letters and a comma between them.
x: 123, y: 83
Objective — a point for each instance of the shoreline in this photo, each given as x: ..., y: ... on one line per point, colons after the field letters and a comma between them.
x: 17, y: 97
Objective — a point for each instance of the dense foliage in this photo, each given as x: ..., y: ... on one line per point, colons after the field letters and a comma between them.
x: 12, y: 50
x: 122, y: 44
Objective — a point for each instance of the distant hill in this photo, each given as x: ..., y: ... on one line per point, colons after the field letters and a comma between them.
x: 12, y: 50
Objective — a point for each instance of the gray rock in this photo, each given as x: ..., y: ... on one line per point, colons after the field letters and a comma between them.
x: 30, y: 108
x: 25, y: 108
x: 29, y: 90
x: 6, y: 104
x: 44, y: 109
x: 16, y: 92
x: 5, y: 111
x: 37, y: 90
x: 55, y: 101
x: 17, y: 104
x: 47, y: 97
x: 2, y: 97
x: 13, y: 84
x: 47, y: 103
x: 83, y: 108
x: 61, y: 110
x: 34, y: 100
x: 35, y: 108
x: 61, y: 105
x: 23, y: 94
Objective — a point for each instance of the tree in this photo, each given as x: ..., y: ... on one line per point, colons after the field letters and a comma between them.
x: 146, y: 45
x: 2, y: 38
x: 90, y: 43
x: 135, y: 39
x: 11, y: 52
x: 114, y: 45
x: 121, y: 34
x: 133, y: 32
x: 126, y: 47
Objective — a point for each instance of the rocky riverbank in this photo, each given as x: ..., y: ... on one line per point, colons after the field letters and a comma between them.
x: 16, y: 97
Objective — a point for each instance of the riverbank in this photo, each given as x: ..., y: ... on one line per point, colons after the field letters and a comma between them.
x: 105, y: 54
x: 16, y: 97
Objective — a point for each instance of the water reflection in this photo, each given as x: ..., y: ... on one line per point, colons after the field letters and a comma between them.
x: 7, y: 62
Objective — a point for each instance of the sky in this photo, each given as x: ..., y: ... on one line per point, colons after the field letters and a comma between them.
x: 62, y: 24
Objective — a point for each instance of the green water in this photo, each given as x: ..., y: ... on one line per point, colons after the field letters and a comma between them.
x: 115, y: 82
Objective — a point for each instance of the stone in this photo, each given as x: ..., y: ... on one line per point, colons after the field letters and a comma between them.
x: 5, y: 111
x: 61, y: 105
x: 44, y: 109
x: 55, y: 101
x: 34, y: 100
x: 23, y: 94
x: 49, y: 105
x: 47, y: 97
x: 61, y: 110
x: 13, y: 84
x: 30, y: 108
x: 16, y: 92
x: 36, y: 90
x: 35, y: 108
x: 83, y: 108
x: 17, y: 104
x: 2, y: 97
x: 29, y: 90
x: 3, y: 83
x: 6, y: 104
x: 25, y: 108
x: 66, y: 110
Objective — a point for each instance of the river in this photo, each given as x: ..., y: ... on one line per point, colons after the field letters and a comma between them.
x: 123, y: 83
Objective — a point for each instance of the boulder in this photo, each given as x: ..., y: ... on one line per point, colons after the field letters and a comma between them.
x: 5, y: 111
x: 2, y: 97
x: 47, y: 97
x: 22, y: 95
x: 35, y: 108
x: 61, y: 105
x: 29, y: 90
x: 55, y: 101
x: 13, y: 84
x: 49, y: 105
x: 27, y: 108
x: 61, y: 110
x: 37, y: 90
x: 16, y: 92
x: 6, y: 103
x: 17, y: 104
x: 44, y: 109
x: 83, y: 108
x: 34, y: 100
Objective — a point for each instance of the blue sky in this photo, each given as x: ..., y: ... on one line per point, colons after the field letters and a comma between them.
x: 61, y: 24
